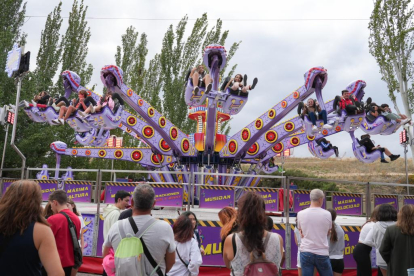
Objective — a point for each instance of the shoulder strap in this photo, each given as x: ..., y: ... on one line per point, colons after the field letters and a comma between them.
x: 266, y: 240
x: 139, y: 234
x: 176, y: 250
x: 233, y: 242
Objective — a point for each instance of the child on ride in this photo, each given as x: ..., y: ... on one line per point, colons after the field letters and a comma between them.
x: 81, y: 104
x: 310, y: 109
x: 237, y: 87
x: 105, y: 100
x: 40, y: 100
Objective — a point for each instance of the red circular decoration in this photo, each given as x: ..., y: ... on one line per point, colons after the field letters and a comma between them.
x: 289, y: 126
x: 245, y: 134
x: 74, y: 152
x: 284, y: 104
x: 102, y: 153
x: 232, y: 146
x: 278, y: 147
x: 129, y: 92
x: 87, y: 152
x: 140, y: 102
x: 324, y: 132
x: 157, y: 158
x: 118, y: 154
x: 310, y: 138
x: 258, y: 124
x: 294, y: 141
x: 296, y: 94
x: 173, y: 133
x: 128, y: 130
x: 136, y: 155
x: 186, y: 145
x: 271, y: 136
x: 162, y: 122
x: 253, y: 149
x: 131, y: 120
x: 164, y: 146
x: 148, y: 132
x: 338, y: 128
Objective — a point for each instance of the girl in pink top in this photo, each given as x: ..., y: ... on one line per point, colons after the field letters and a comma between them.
x: 105, y: 100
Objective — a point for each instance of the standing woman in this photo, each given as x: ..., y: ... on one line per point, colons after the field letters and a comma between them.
x: 336, y: 246
x: 72, y: 207
x: 362, y: 251
x: 188, y: 257
x: 387, y: 216
x: 397, y: 247
x: 253, y: 241
x: 227, y: 216
x: 194, y: 222
x: 26, y: 240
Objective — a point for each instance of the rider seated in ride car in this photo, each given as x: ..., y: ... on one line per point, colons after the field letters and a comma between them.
x: 327, y: 146
x: 105, y: 100
x: 310, y: 109
x: 238, y: 88
x: 81, y: 104
x: 373, y: 111
x: 370, y: 147
x: 40, y: 100
x: 399, y: 118
x: 200, y: 78
x: 348, y: 102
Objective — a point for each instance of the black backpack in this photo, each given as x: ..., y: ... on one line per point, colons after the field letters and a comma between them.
x: 76, y: 248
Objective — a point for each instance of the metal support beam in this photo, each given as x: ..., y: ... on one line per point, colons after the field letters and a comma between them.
x: 97, y: 215
x: 286, y: 186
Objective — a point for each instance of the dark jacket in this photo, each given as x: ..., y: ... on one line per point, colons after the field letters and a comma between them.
x: 397, y: 250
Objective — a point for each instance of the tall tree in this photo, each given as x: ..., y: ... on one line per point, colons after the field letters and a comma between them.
x: 75, y: 44
x: 177, y: 56
x: 391, y: 42
x: 50, y: 51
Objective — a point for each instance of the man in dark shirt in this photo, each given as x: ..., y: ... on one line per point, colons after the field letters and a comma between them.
x: 370, y: 147
x: 60, y: 228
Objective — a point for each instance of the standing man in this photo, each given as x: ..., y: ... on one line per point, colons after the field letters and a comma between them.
x: 111, y: 212
x: 315, y: 225
x: 158, y: 238
x: 60, y: 227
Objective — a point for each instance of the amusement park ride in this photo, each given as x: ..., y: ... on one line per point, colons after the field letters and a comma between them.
x: 208, y: 150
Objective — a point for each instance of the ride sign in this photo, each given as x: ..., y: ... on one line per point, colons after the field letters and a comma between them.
x: 386, y: 199
x: 347, y: 204
x: 13, y: 60
x: 168, y: 195
x: 408, y: 200
x: 270, y: 197
x: 301, y: 200
x: 112, y: 187
x: 79, y: 191
x: 216, y: 196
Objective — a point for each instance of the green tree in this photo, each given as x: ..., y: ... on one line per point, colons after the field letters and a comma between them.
x: 50, y: 51
x: 75, y: 45
x: 391, y: 42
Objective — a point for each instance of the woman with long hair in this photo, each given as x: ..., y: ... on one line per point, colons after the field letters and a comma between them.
x: 387, y: 216
x: 362, y: 251
x: 227, y: 216
x: 397, y: 247
x: 336, y: 246
x: 26, y: 240
x: 253, y: 241
x: 188, y: 257
x: 194, y: 222
x: 47, y: 211
x: 311, y: 108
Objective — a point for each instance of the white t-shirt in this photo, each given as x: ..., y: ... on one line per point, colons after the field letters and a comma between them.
x: 191, y: 255
x: 159, y: 239
x: 364, y: 231
x: 314, y: 224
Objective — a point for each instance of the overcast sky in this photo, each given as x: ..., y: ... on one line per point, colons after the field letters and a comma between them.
x: 278, y: 52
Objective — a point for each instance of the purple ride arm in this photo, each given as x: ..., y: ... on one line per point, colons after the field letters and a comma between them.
x: 173, y: 136
x: 237, y: 146
x: 143, y: 156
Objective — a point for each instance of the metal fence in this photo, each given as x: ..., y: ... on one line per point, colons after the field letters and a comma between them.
x: 193, y: 187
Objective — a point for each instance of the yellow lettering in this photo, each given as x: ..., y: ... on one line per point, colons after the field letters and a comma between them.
x: 215, y: 251
x: 346, y: 238
x: 304, y: 203
x: 207, y: 249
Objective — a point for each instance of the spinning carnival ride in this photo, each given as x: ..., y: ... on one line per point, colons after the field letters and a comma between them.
x: 208, y: 150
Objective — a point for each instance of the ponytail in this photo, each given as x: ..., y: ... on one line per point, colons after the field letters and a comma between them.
x: 334, y: 235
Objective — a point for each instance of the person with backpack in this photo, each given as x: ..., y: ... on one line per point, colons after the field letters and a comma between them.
x: 253, y: 248
x: 188, y: 257
x: 142, y: 244
x: 63, y: 223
